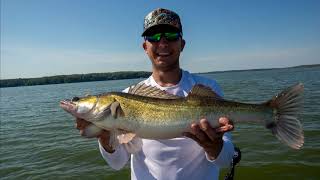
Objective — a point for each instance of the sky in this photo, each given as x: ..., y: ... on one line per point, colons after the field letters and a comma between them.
x: 54, y: 37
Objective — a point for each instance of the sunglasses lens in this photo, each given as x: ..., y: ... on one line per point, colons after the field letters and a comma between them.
x: 154, y: 38
x: 172, y: 36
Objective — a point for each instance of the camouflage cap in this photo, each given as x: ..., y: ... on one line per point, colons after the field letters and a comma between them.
x: 161, y: 16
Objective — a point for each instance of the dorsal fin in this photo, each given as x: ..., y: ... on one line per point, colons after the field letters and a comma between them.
x: 203, y: 91
x: 150, y: 91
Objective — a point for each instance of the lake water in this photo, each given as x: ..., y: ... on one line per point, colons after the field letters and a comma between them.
x: 38, y: 139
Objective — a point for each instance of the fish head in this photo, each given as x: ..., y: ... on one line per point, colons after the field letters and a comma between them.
x: 79, y: 107
x: 88, y: 107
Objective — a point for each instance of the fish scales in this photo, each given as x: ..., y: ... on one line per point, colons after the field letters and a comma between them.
x: 167, y: 111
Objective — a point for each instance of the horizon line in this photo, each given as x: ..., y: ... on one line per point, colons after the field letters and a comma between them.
x: 232, y: 70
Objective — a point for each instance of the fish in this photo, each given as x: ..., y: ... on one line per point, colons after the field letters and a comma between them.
x: 150, y: 113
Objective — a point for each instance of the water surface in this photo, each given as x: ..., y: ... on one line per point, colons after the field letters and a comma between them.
x: 38, y: 139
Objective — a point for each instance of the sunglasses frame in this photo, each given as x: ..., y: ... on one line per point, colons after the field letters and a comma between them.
x: 152, y: 38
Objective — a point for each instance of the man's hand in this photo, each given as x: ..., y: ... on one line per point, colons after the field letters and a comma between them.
x: 210, y: 138
x: 103, y: 137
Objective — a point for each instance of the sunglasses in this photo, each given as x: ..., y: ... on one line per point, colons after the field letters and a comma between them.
x: 170, y: 36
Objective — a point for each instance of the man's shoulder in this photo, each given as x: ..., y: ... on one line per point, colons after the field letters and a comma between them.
x: 200, y: 79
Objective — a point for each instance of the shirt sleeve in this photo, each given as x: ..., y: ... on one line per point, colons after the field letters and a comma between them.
x: 225, y: 157
x: 117, y: 159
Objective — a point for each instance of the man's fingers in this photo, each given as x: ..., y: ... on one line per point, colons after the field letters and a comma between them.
x: 81, y: 132
x: 81, y: 124
x: 224, y: 121
x: 225, y: 125
x: 224, y: 129
x: 210, y: 132
x: 195, y: 130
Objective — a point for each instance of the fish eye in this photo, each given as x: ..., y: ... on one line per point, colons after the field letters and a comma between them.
x: 75, y: 99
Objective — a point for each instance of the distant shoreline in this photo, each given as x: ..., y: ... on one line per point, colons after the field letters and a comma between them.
x: 263, y: 69
x: 74, y: 78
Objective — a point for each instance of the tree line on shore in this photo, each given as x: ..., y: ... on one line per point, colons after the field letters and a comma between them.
x: 73, y: 78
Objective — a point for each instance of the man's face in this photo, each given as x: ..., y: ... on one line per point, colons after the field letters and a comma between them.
x: 164, y: 54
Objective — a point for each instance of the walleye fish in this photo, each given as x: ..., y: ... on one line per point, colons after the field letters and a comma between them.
x: 150, y: 113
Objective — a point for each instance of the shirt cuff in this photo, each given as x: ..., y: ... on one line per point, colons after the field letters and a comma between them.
x: 117, y: 159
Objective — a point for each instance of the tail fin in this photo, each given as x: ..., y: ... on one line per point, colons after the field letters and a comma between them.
x: 286, y: 126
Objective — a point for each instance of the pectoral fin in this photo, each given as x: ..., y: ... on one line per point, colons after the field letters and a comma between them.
x: 116, y: 110
x: 129, y: 140
x: 125, y: 138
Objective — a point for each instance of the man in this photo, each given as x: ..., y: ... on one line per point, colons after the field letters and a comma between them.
x: 206, y: 149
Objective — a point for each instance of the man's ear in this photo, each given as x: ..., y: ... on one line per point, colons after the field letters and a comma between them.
x: 183, y: 43
x: 144, y: 46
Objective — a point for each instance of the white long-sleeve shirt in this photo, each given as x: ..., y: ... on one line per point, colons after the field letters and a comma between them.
x: 178, y: 158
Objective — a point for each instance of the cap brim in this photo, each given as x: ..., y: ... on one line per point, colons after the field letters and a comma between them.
x: 160, y: 28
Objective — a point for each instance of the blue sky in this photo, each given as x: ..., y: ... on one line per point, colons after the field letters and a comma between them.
x: 53, y: 37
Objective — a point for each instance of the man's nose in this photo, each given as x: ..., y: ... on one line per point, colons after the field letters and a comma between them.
x: 163, y: 41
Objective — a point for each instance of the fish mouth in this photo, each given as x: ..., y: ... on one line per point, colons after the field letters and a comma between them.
x: 68, y: 106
